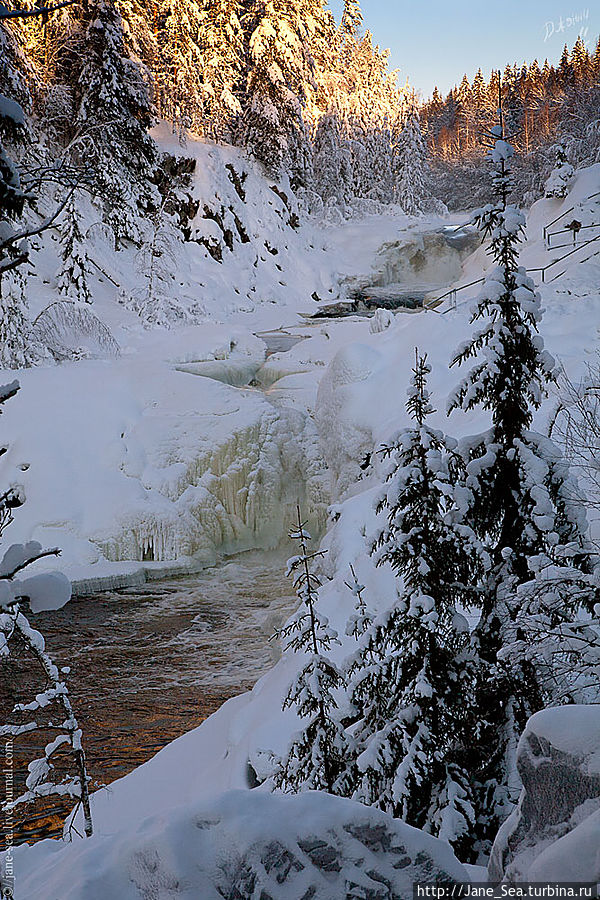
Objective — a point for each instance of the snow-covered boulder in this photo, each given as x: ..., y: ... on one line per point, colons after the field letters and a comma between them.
x: 554, y: 833
x: 382, y: 319
x: 248, y: 844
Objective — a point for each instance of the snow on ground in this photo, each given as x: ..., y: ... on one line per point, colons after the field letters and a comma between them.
x: 250, y: 845
x: 118, y: 455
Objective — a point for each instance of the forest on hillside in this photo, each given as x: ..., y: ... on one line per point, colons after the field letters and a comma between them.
x: 308, y: 97
x: 551, y: 116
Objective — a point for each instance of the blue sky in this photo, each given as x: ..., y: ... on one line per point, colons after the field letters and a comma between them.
x: 437, y: 41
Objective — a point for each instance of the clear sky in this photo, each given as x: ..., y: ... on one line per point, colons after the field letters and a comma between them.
x: 437, y: 41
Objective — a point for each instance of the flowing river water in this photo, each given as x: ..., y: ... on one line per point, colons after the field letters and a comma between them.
x: 149, y: 663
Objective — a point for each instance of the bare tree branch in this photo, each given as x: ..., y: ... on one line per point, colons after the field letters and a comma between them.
x: 6, y: 13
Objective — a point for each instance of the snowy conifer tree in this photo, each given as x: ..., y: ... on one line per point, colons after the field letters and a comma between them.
x: 222, y: 47
x: 558, y: 183
x: 332, y: 161
x: 410, y: 164
x: 523, y: 508
x: 352, y: 18
x: 72, y: 276
x: 156, y: 300
x: 412, y: 673
x: 380, y: 155
x: 179, y: 83
x: 279, y: 72
x: 318, y: 753
x: 113, y: 114
x: 15, y: 351
x: 49, y: 709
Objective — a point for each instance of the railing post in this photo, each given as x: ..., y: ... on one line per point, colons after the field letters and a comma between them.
x: 543, y: 276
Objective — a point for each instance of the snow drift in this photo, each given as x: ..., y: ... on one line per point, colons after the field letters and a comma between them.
x: 254, y: 846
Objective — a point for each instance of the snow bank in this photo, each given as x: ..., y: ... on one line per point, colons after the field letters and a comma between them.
x: 252, y: 845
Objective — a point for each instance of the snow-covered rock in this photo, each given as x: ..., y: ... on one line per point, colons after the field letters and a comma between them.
x: 382, y: 319
x: 554, y: 833
x: 251, y: 845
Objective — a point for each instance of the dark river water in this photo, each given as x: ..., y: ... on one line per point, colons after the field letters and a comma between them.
x: 150, y: 663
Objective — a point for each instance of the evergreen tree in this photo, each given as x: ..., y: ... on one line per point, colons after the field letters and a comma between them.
x: 155, y: 301
x: 180, y: 91
x: 352, y: 18
x: 463, y: 115
x: 328, y: 159
x: 15, y: 351
x: 280, y: 68
x: 411, y: 168
x: 72, y: 277
x: 223, y: 65
x: 411, y: 675
x: 520, y: 505
x: 379, y: 151
x: 561, y: 176
x: 12, y: 128
x: 113, y: 114
x: 319, y: 752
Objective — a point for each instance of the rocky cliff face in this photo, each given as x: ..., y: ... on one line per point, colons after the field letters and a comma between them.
x: 554, y: 833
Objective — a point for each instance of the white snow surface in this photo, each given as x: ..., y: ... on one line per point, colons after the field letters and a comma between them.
x: 574, y: 730
x: 574, y: 857
x: 114, y: 457
x: 252, y: 840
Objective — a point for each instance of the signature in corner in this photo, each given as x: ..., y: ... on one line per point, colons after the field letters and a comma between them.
x: 551, y: 28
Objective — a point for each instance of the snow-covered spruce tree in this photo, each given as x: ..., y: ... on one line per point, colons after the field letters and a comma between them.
x: 179, y: 90
x: 410, y: 166
x: 352, y: 18
x: 562, y: 646
x: 561, y: 176
x: 15, y: 349
x: 332, y: 162
x: 380, y: 154
x: 523, y: 507
x: 411, y: 676
x: 113, y: 115
x: 16, y: 195
x: 72, y: 280
x: 319, y: 751
x: 223, y: 65
x: 279, y: 71
x: 50, y: 708
x: 13, y: 197
x: 155, y: 301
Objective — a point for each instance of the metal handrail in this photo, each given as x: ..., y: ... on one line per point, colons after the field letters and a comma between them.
x: 566, y: 213
x: 569, y: 244
x: 575, y: 250
x: 591, y: 256
x: 455, y: 290
x: 564, y: 230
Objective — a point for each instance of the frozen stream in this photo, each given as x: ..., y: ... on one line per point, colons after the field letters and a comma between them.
x: 152, y: 662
